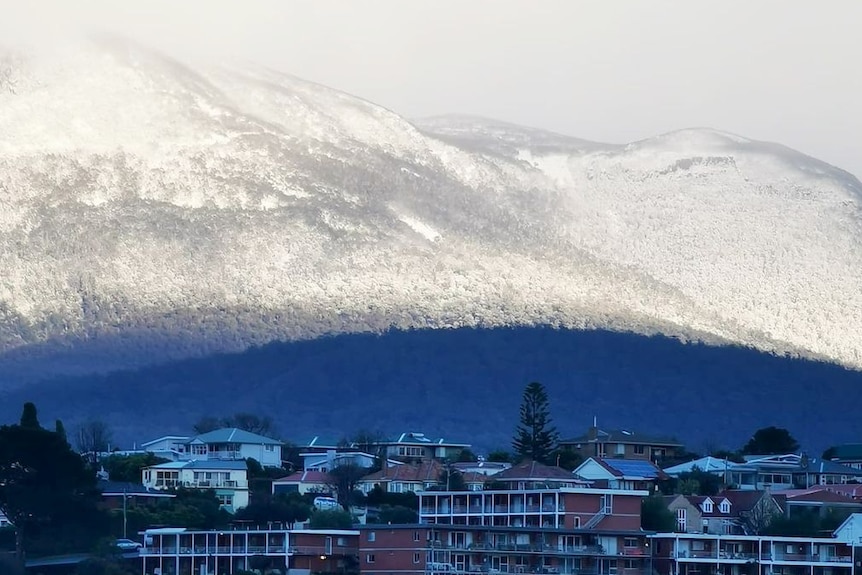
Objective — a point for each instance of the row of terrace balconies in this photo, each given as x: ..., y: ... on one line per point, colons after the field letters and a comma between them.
x: 442, y: 569
x: 773, y: 557
x: 247, y: 550
x: 491, y: 509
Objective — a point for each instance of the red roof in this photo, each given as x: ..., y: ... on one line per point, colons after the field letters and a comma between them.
x: 425, y: 471
x: 305, y: 477
x: 533, y: 471
x: 819, y: 494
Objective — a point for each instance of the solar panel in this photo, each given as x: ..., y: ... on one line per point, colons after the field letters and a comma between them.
x: 633, y: 467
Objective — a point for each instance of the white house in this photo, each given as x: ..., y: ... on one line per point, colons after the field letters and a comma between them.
x: 619, y: 473
x: 333, y: 458
x: 171, y: 447
x: 229, y: 479
x: 226, y: 444
x: 850, y: 531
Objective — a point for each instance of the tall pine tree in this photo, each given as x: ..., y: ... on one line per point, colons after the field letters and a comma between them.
x: 535, y: 436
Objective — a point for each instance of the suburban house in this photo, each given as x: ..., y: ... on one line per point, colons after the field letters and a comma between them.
x: 790, y: 471
x: 819, y: 498
x: 708, y: 464
x: 117, y: 493
x: 729, y: 512
x: 621, y: 443
x: 849, y: 454
x: 228, y: 443
x: 533, y: 475
x: 620, y: 473
x: 228, y: 478
x: 414, y: 477
x: 308, y: 481
x: 331, y: 458
x: 416, y: 446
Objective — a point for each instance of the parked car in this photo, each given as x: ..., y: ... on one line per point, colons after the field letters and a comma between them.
x: 127, y: 544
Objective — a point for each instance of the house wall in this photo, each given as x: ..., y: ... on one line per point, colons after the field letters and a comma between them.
x: 266, y: 455
x: 693, y: 516
x: 401, y: 550
x: 622, y: 450
x: 625, y: 510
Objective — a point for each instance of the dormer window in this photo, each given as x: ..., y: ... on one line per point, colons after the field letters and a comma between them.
x: 725, y: 506
x: 707, y: 506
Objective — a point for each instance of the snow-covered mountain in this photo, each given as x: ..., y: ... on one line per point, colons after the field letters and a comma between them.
x: 229, y: 205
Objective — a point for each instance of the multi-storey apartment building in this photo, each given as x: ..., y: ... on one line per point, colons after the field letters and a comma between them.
x: 565, y: 530
x: 299, y: 552
x: 704, y: 554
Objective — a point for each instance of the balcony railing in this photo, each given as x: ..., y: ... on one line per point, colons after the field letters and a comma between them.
x: 522, y: 547
x: 247, y: 550
x: 216, y: 484
x: 442, y: 568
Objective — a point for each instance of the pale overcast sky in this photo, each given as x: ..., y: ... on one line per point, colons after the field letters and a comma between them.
x: 783, y: 70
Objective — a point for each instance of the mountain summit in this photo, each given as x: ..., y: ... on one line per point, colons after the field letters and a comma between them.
x: 153, y: 209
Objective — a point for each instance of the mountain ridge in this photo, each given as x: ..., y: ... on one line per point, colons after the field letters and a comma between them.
x: 134, y: 187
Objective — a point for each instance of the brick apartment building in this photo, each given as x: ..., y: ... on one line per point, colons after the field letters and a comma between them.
x: 534, y: 519
x: 391, y: 549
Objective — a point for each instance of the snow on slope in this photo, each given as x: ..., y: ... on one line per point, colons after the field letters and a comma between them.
x: 134, y: 187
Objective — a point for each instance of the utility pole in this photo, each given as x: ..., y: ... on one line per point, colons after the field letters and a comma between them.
x: 125, y: 519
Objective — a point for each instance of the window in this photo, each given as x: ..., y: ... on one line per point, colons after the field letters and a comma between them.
x: 270, y: 448
x: 225, y: 500
x: 411, y: 451
x: 369, y: 558
x: 707, y: 506
x: 680, y: 519
x: 621, y: 449
x: 415, y: 536
x: 340, y: 542
x: 631, y: 564
x: 725, y: 506
x: 199, y: 449
x: 639, y: 450
x: 415, y: 558
x: 372, y: 536
x: 631, y: 542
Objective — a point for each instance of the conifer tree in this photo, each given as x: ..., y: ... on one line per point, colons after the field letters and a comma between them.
x: 29, y: 419
x: 535, y: 436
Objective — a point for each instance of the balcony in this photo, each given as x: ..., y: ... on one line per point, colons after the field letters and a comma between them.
x: 216, y: 484
x: 482, y: 547
x: 807, y: 558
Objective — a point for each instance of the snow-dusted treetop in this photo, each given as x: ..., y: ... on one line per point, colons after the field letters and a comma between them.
x: 135, y: 188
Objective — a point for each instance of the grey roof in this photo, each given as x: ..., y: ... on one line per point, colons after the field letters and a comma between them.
x: 796, y: 464
x: 118, y: 488
x: 709, y: 464
x: 234, y: 435
x: 851, y: 451
x: 624, y: 436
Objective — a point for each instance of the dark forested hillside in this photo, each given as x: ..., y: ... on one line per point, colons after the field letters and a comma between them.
x: 465, y: 384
